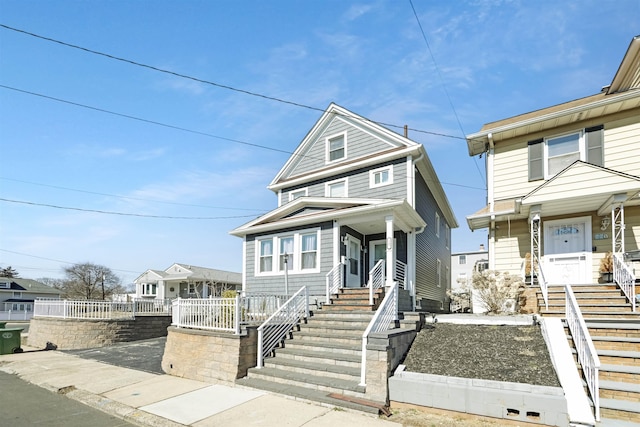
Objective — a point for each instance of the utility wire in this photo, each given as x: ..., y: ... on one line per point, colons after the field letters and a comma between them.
x: 56, y: 260
x: 122, y: 213
x: 444, y: 87
x: 219, y: 85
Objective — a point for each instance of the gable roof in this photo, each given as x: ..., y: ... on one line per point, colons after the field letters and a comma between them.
x: 28, y: 285
x: 186, y: 271
x: 393, y: 142
x: 315, y: 210
x: 622, y: 94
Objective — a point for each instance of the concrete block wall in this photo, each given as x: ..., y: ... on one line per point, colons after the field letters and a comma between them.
x: 68, y: 334
x: 503, y: 400
x: 209, y: 356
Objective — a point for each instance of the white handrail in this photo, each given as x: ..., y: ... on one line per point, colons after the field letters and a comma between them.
x: 625, y: 278
x: 278, y: 325
x: 83, y: 309
x: 587, y: 356
x: 376, y: 279
x: 385, y: 314
x: 544, y: 286
x: 400, y: 273
x: 334, y: 282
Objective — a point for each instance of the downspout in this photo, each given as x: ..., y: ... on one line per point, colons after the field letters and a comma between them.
x: 411, y: 266
x: 490, y: 201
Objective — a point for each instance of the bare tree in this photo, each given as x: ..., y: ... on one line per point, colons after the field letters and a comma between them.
x: 8, y: 272
x: 90, y: 281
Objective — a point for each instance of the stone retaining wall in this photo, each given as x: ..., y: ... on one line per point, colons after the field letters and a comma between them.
x: 210, y: 356
x: 68, y: 334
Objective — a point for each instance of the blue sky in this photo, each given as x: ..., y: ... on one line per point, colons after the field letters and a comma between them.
x: 493, y: 59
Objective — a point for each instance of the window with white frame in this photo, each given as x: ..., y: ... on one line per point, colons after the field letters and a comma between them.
x: 549, y: 156
x: 336, y: 188
x: 381, y: 177
x: 438, y: 273
x: 437, y: 225
x: 336, y: 147
x: 265, y: 255
x: 149, y: 289
x: 462, y: 259
x: 302, y: 250
x: 295, y: 194
x: 17, y: 294
x: 286, y: 252
x: 5, y: 285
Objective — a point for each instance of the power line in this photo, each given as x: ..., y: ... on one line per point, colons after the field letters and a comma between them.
x: 444, y: 87
x: 57, y: 260
x: 218, y: 85
x: 122, y: 213
x: 125, y: 197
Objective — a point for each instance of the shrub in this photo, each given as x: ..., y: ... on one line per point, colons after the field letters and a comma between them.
x: 606, y: 263
x: 497, y: 290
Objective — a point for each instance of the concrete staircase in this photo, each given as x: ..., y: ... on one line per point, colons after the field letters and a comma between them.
x: 321, y: 361
x: 615, y: 332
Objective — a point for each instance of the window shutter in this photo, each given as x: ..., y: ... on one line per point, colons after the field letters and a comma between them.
x: 536, y: 164
x: 595, y: 145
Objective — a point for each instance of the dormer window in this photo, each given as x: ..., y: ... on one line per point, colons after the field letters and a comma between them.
x: 336, y: 147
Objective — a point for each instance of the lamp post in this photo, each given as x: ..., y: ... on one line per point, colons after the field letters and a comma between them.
x: 286, y: 274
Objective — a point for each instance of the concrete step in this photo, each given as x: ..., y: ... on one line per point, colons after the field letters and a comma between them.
x: 593, y: 315
x: 559, y: 300
x: 620, y: 410
x: 327, y: 357
x: 314, y: 382
x: 325, y: 329
x: 309, y: 368
x: 619, y: 373
x: 344, y: 337
x: 600, y: 306
x: 307, y: 394
x: 353, y: 347
x: 346, y: 305
x: 620, y: 391
x: 616, y: 343
x: 343, y: 314
x: 355, y: 323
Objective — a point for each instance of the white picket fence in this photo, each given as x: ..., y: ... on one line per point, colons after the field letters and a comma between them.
x: 100, y: 310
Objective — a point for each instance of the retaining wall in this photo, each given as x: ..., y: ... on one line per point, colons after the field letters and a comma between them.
x: 68, y: 334
x: 210, y: 356
x: 496, y: 399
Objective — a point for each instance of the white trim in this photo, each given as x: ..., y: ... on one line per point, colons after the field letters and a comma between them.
x: 304, y: 190
x: 296, y: 266
x: 437, y: 225
x: 330, y: 183
x: 327, y: 142
x: 581, y: 150
x: 372, y: 175
x: 411, y: 179
x: 587, y: 252
x: 438, y: 273
x: 372, y: 243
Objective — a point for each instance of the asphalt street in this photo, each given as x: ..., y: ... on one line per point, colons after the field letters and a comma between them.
x: 27, y: 405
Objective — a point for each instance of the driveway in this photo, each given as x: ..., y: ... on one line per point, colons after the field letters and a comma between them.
x: 144, y: 355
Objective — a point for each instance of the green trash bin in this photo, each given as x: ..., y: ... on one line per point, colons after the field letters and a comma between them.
x: 10, y: 340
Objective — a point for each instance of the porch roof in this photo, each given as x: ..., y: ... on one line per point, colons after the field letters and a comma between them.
x: 581, y: 187
x: 362, y: 214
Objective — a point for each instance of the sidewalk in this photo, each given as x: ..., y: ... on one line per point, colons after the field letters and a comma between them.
x: 148, y: 399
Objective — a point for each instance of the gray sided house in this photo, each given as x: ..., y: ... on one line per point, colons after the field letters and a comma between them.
x: 353, y: 193
x: 186, y: 281
x: 18, y: 296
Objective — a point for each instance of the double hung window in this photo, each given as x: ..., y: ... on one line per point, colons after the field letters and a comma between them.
x: 301, y: 249
x: 336, y: 148
x: 336, y: 188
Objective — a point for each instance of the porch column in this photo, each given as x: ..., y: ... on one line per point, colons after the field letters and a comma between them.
x: 391, y: 263
x: 617, y: 228
x: 336, y: 243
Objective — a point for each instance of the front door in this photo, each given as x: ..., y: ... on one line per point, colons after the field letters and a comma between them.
x: 567, y: 251
x: 353, y: 262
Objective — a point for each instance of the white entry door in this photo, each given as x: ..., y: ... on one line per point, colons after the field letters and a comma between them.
x: 353, y: 262
x: 567, y: 251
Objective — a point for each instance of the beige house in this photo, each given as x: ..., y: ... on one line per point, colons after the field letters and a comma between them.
x: 564, y: 181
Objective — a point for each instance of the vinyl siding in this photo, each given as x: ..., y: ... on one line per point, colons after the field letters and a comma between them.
x: 621, y: 139
x: 358, y: 144
x: 429, y: 247
x: 315, y: 282
x: 358, y: 184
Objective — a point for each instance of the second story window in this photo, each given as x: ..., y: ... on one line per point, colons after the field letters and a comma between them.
x: 336, y: 148
x: 295, y: 194
x: 381, y: 177
x: 336, y: 188
x: 462, y: 259
x: 437, y: 225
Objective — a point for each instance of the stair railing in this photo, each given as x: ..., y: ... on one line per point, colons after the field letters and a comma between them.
x: 625, y: 278
x: 587, y: 356
x: 376, y: 279
x: 544, y: 286
x: 401, y: 274
x: 385, y: 314
x: 335, y: 281
x: 279, y: 324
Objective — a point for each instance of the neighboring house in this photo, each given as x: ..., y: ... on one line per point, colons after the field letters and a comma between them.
x: 17, y: 297
x: 463, y: 264
x: 353, y: 193
x: 564, y: 181
x: 186, y: 281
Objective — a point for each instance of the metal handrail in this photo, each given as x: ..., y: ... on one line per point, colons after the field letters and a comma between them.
x: 400, y: 273
x: 544, y: 286
x: 625, y: 278
x: 376, y: 279
x: 385, y: 314
x: 280, y: 323
x: 587, y: 355
x: 334, y: 281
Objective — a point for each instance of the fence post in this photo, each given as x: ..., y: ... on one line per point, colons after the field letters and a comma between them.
x: 237, y: 316
x: 133, y: 308
x: 306, y: 302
